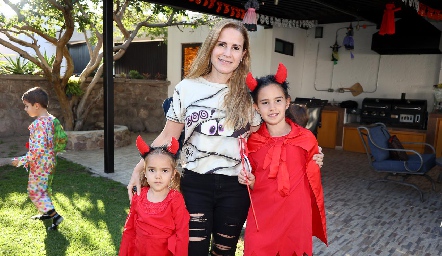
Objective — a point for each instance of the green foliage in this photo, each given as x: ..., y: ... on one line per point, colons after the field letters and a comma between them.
x: 135, y: 74
x: 49, y: 59
x: 73, y: 87
x: 21, y: 66
x: 17, y: 66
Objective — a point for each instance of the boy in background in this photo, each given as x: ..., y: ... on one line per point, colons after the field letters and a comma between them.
x: 40, y: 160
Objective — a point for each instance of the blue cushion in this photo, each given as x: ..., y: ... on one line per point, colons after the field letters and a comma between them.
x: 380, y: 137
x: 413, y: 164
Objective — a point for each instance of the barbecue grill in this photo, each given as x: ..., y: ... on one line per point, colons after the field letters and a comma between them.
x: 406, y: 113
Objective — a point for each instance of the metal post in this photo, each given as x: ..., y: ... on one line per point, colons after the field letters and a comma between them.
x: 108, y: 84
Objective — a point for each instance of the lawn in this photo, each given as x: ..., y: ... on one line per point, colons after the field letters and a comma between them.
x: 94, y: 209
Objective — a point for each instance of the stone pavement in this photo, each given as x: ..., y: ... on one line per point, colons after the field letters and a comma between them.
x: 125, y: 159
x: 387, y: 219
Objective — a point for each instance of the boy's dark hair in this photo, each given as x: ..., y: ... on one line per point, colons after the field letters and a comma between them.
x: 298, y: 114
x: 36, y: 95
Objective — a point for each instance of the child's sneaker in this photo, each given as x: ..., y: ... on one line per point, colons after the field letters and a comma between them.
x: 56, y: 220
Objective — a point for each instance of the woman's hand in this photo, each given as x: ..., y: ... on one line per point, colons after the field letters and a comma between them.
x: 246, y: 178
x: 135, y: 180
x: 319, y: 157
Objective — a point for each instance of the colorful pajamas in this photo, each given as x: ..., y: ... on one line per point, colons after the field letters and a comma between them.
x: 40, y: 162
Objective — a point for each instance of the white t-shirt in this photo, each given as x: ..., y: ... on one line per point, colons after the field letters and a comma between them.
x: 209, y: 147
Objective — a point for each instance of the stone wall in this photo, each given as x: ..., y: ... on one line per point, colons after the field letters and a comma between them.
x: 137, y: 104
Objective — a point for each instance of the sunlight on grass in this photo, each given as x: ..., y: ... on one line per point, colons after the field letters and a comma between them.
x: 94, y: 211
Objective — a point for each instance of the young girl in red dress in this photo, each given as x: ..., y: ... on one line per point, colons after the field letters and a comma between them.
x: 158, y: 221
x: 286, y: 190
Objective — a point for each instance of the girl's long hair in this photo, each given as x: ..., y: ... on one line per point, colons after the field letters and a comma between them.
x: 237, y: 102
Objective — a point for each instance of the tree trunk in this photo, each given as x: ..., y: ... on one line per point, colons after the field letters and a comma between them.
x: 64, y: 105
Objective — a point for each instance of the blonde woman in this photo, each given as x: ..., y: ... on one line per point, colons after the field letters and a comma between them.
x: 214, y: 107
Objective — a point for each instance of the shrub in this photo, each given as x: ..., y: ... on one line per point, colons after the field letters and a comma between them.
x: 73, y: 87
x: 135, y: 75
x: 17, y: 66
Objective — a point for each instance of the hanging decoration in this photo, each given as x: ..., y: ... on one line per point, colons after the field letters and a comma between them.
x: 424, y: 10
x: 429, y: 12
x: 412, y: 3
x: 387, y: 25
x: 239, y: 13
x: 221, y: 7
x: 286, y: 23
x: 250, y: 19
x: 349, y: 43
x: 335, y: 54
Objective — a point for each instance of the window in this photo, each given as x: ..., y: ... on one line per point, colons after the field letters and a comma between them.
x: 284, y: 47
x: 189, y: 52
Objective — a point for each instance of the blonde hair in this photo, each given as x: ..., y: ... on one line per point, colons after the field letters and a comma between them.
x: 237, y: 102
x: 176, y: 178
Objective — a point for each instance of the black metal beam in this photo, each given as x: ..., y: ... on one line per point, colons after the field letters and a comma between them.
x: 108, y: 87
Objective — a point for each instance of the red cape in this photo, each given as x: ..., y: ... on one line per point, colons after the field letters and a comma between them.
x: 303, y: 138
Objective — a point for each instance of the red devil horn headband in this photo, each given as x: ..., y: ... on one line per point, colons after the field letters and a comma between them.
x: 251, y: 82
x: 144, y: 149
x: 281, y: 74
x: 280, y: 77
x: 173, y: 146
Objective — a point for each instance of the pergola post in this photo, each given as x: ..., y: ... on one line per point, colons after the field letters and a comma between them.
x: 108, y: 86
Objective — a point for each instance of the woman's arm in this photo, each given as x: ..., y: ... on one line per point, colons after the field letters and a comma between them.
x: 171, y: 129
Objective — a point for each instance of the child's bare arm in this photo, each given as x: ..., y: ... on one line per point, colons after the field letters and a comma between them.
x: 14, y: 162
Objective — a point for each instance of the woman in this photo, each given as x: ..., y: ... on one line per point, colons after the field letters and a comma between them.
x: 214, y: 107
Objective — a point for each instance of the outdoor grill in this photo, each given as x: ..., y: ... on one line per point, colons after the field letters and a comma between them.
x: 406, y: 113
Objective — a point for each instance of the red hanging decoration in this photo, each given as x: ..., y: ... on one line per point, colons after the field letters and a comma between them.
x: 387, y: 25
x: 250, y: 20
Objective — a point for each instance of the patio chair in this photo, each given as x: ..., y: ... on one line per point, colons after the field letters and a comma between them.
x: 375, y: 139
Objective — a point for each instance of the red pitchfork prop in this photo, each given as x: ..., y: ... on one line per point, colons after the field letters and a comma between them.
x: 243, y: 152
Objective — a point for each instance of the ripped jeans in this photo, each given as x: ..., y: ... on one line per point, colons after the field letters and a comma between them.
x: 218, y: 207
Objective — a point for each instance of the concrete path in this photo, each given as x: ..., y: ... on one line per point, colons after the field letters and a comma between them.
x: 125, y: 159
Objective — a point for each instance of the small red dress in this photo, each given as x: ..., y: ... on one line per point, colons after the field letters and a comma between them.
x: 287, y: 195
x: 156, y: 229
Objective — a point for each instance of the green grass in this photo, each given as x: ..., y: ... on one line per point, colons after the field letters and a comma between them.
x: 94, y: 211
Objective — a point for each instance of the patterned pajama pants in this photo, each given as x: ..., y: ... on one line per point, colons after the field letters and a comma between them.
x: 39, y: 188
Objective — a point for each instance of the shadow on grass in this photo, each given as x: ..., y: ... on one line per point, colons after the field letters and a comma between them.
x: 94, y: 211
x: 55, y: 242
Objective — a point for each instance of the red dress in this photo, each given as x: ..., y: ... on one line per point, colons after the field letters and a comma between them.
x: 156, y: 229
x: 287, y: 196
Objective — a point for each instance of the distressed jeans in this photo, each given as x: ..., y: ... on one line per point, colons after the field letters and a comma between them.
x: 218, y: 207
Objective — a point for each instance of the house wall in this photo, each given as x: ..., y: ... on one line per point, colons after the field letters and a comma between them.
x: 311, y: 72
